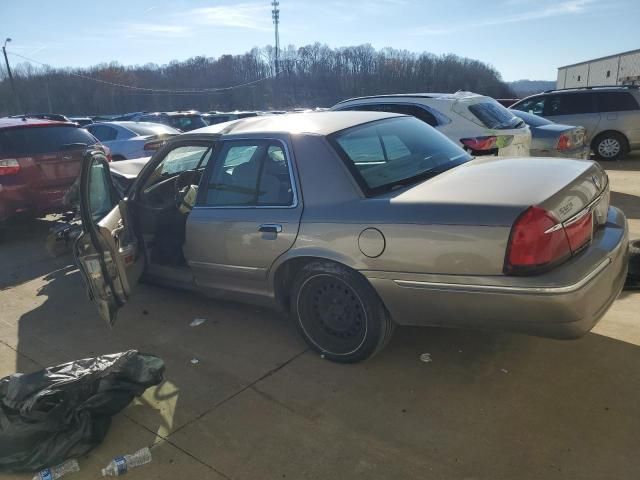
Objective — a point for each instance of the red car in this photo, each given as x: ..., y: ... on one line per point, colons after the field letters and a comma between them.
x: 39, y: 161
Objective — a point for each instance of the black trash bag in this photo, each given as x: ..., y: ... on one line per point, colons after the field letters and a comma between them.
x: 62, y: 412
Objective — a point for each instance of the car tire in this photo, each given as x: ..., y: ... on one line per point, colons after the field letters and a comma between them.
x: 610, y: 146
x: 338, y: 312
x: 634, y: 260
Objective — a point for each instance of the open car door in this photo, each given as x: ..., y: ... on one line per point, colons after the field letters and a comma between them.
x: 107, y: 252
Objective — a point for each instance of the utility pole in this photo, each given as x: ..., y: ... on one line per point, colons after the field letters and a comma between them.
x: 275, y: 15
x: 13, y: 85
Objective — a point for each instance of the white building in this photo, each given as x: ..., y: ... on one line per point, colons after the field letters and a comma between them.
x: 620, y: 69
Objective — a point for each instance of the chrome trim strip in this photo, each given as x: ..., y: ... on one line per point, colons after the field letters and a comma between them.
x: 589, y: 208
x: 292, y: 179
x: 232, y: 268
x: 503, y: 289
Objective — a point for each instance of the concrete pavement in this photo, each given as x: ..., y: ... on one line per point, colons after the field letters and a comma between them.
x: 260, y: 405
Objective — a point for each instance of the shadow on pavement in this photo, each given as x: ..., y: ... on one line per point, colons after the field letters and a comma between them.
x: 629, y: 204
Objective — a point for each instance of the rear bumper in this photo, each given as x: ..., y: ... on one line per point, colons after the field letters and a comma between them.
x: 582, y: 153
x: 565, y: 303
x: 21, y: 199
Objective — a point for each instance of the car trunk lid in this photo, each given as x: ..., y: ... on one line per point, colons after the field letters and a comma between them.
x: 509, y: 185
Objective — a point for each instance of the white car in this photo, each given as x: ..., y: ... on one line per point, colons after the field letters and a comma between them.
x: 479, y: 124
x: 129, y: 140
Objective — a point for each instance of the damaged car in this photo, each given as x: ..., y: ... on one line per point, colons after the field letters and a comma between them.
x: 355, y: 222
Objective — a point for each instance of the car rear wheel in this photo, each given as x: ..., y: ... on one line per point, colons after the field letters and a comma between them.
x: 339, y: 313
x: 634, y: 260
x: 610, y: 146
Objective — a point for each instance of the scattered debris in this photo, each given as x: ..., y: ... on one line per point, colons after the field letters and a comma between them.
x: 425, y: 357
x: 322, y: 355
x: 197, y: 321
x: 121, y: 465
x: 53, y: 473
x: 195, y: 361
x: 504, y: 370
x: 63, y: 412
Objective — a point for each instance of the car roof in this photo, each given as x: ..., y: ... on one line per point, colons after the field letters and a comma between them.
x: 440, y: 96
x: 314, y: 123
x: 129, y: 123
x: 175, y: 114
x: 7, y: 122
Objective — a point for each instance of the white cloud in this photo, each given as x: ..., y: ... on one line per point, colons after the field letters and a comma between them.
x: 566, y: 7
x: 252, y: 16
x: 155, y: 29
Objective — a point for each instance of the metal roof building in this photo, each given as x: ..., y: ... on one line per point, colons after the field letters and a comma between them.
x: 620, y: 69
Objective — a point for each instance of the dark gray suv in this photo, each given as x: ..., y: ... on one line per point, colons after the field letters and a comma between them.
x: 610, y: 115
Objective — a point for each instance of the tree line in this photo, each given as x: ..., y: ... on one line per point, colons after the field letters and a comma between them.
x: 310, y: 76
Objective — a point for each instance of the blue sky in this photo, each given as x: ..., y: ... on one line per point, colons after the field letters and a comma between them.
x: 520, y: 38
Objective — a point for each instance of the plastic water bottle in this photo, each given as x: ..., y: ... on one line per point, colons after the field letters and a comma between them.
x: 121, y: 465
x: 53, y: 473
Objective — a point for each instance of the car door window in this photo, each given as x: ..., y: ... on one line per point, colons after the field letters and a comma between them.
x: 616, y: 102
x: 570, y: 104
x: 250, y: 174
x: 104, y: 133
x: 532, y: 105
x: 404, y: 109
x: 101, y: 198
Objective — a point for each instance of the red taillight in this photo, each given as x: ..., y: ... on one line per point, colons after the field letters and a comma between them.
x: 154, y: 145
x: 537, y: 240
x: 9, y: 166
x: 480, y: 143
x: 579, y: 231
x: 564, y: 142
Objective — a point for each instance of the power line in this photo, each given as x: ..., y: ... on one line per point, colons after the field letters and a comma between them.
x: 149, y: 90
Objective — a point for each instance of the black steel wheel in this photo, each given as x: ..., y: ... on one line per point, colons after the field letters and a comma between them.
x: 338, y: 312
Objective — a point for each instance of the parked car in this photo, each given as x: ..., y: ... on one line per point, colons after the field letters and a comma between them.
x: 126, y: 117
x: 82, y: 121
x: 184, y: 121
x: 610, y: 115
x: 355, y: 222
x: 479, y: 124
x: 213, y: 118
x: 506, y: 102
x: 549, y: 139
x: 39, y: 160
x: 129, y: 140
x: 44, y: 116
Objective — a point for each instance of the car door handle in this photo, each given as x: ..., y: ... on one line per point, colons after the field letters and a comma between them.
x: 270, y: 228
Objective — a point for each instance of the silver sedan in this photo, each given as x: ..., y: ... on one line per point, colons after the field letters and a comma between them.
x: 355, y: 222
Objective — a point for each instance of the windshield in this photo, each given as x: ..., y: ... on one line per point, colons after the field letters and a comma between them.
x: 493, y: 115
x: 143, y: 128
x: 187, y: 122
x: 396, y: 152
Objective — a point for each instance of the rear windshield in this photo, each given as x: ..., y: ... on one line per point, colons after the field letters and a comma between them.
x: 35, y: 140
x: 151, y: 129
x: 531, y: 119
x: 187, y: 122
x: 396, y: 152
x: 495, y: 116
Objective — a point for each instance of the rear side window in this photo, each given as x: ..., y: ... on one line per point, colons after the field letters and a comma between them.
x: 570, y: 104
x: 36, y: 140
x: 616, y: 102
x: 494, y: 116
x: 253, y: 173
x: 103, y: 133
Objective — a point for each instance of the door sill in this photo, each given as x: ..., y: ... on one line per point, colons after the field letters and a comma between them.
x: 170, y: 276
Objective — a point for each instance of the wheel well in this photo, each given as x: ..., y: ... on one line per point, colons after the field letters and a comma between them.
x: 606, y: 132
x: 287, y: 272
x: 118, y: 157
